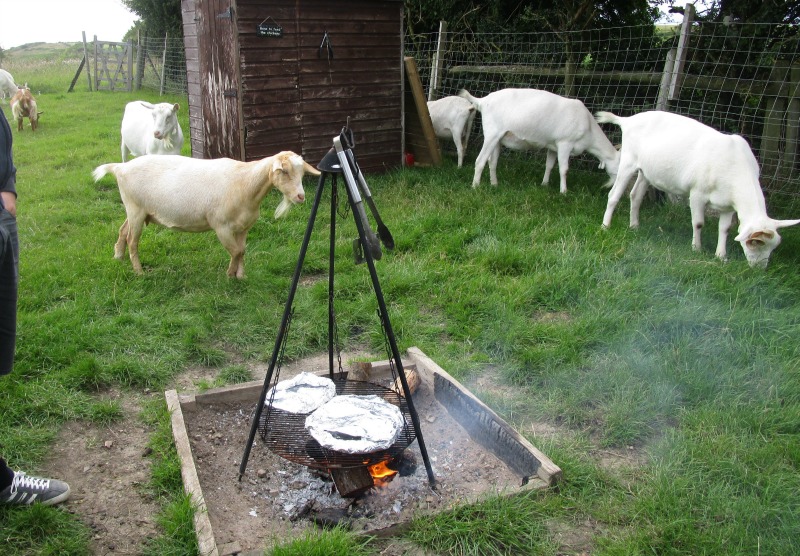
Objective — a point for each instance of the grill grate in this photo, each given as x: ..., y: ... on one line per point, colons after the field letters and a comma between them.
x: 285, y: 434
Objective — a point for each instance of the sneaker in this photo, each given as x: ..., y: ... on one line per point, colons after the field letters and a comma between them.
x: 27, y: 490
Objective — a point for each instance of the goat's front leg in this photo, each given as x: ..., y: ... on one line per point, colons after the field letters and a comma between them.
x: 616, y: 193
x: 697, y: 206
x: 725, y: 222
x: 564, y: 150
x: 234, y: 243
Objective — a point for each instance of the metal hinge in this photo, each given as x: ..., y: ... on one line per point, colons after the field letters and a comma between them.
x: 227, y: 14
x: 230, y: 93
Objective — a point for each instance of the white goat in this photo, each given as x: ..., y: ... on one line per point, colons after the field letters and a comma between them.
x: 150, y: 129
x: 681, y: 156
x: 194, y: 195
x: 452, y: 117
x: 7, y: 84
x: 525, y: 119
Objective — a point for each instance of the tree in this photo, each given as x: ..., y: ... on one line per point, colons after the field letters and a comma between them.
x: 159, y: 17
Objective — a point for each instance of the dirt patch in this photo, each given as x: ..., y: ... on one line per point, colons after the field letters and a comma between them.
x: 106, y: 468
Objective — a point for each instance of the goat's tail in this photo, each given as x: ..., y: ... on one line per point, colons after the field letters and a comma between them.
x: 476, y: 102
x: 608, y: 118
x: 101, y: 171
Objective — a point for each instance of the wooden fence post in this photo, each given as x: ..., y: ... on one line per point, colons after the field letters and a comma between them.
x: 140, y: 53
x: 662, y: 103
x: 776, y: 110
x: 683, y: 49
x: 436, y: 66
x: 129, y: 78
x: 86, y: 57
x: 163, y: 65
x: 96, y: 78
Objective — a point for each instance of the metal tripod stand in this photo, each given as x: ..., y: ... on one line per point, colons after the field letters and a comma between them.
x: 341, y: 160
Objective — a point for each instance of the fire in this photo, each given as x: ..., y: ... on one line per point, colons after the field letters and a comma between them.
x: 381, y: 473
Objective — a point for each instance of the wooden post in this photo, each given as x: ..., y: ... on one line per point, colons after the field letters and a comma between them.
x: 163, y: 65
x: 683, y: 49
x: 774, y: 113
x: 129, y: 77
x: 140, y: 53
x: 96, y: 77
x: 792, y: 121
x: 86, y: 58
x: 436, y: 66
x: 662, y: 103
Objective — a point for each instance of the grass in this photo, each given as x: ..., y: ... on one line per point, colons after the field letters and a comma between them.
x: 621, y: 340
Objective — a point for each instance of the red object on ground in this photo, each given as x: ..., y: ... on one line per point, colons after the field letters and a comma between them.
x: 409, y: 159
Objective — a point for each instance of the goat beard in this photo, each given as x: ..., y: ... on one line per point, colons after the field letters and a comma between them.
x: 167, y: 141
x: 283, y: 208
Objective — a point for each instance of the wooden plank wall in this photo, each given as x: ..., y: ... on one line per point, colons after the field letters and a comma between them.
x: 296, y: 96
x: 190, y: 42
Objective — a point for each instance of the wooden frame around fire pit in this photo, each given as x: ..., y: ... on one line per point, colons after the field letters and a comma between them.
x: 484, y: 426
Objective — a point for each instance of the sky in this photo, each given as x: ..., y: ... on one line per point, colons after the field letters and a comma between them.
x: 62, y: 21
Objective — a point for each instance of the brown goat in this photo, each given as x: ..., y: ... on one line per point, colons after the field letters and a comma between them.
x: 23, y: 105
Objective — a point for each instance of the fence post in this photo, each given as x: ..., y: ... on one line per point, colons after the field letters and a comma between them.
x: 139, y: 61
x: 683, y: 49
x: 86, y: 57
x: 163, y: 65
x: 96, y: 79
x: 662, y: 103
x: 775, y: 110
x: 792, y: 120
x: 130, y: 66
x: 436, y: 67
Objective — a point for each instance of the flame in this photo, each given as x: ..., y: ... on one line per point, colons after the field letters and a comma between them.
x: 381, y: 473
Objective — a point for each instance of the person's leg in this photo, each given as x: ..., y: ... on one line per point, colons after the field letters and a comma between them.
x: 8, y: 290
x: 6, y: 475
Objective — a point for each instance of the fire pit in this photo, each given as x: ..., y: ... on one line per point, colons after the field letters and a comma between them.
x: 474, y: 454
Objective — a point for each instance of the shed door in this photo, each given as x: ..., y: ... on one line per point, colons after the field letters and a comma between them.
x: 270, y: 68
x: 219, y: 78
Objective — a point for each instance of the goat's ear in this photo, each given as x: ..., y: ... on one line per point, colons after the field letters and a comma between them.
x: 757, y: 237
x: 278, y: 164
x: 310, y: 169
x: 176, y: 107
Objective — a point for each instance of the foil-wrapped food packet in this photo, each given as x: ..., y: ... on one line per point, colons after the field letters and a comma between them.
x: 302, y: 394
x: 356, y: 424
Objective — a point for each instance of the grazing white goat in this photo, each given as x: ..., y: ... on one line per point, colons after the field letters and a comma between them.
x: 151, y: 129
x: 681, y: 156
x: 194, y: 195
x: 452, y: 117
x: 23, y: 105
x: 7, y: 84
x: 525, y: 119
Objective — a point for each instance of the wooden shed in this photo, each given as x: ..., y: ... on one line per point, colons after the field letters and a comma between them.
x: 272, y: 75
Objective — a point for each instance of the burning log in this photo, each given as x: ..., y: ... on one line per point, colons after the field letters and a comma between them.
x: 352, y: 481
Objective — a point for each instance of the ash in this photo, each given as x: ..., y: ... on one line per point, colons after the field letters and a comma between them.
x: 278, y: 499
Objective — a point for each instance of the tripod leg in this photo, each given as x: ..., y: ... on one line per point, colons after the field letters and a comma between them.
x: 283, y: 327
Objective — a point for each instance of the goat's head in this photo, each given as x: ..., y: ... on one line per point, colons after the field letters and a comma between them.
x: 758, y: 242
x: 165, y: 121
x: 286, y: 174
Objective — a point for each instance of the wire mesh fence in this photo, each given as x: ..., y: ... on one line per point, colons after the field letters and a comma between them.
x: 736, y: 78
x: 161, y: 64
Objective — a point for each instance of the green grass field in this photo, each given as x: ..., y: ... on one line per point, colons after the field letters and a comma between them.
x: 620, y: 340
